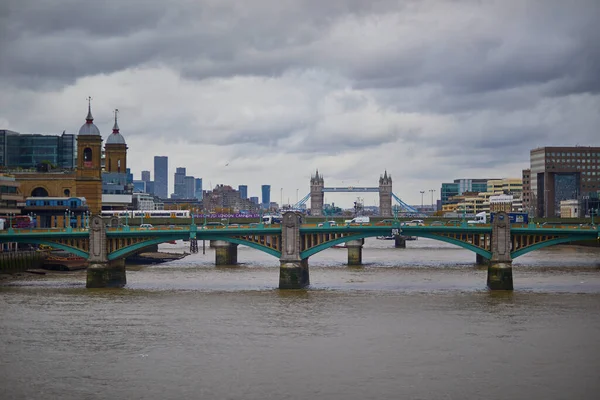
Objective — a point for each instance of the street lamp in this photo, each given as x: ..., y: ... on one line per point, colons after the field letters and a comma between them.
x: 65, y: 223
x: 422, y: 193
x: 281, y: 200
x: 431, y: 191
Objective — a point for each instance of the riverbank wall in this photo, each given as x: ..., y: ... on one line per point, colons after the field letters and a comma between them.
x: 19, y: 261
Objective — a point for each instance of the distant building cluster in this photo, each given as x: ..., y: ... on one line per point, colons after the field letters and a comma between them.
x: 560, y: 181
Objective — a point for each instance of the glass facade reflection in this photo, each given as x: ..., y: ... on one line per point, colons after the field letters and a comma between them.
x: 28, y: 151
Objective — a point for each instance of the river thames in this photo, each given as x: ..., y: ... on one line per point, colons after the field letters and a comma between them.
x: 415, y: 323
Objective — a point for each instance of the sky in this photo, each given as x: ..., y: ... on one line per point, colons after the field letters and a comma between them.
x: 268, y: 91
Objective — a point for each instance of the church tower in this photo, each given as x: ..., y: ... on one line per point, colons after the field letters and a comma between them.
x: 115, y: 151
x: 89, y: 167
x: 385, y: 195
x: 316, y: 195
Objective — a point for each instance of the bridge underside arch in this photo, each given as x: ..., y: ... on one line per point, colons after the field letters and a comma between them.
x: 458, y: 242
x: 541, y: 244
x: 132, y: 248
x: 259, y: 243
x: 69, y: 249
x: 124, y: 251
x: 325, y: 244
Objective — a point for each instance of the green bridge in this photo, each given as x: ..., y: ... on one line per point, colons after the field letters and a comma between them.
x: 293, y: 243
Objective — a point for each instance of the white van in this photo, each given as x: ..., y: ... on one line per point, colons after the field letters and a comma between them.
x: 358, y: 220
x: 415, y: 222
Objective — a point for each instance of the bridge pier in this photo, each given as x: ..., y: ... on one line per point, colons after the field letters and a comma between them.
x: 225, y: 252
x: 399, y: 242
x: 106, y: 275
x: 102, y: 273
x: 500, y: 268
x: 293, y: 270
x: 355, y: 251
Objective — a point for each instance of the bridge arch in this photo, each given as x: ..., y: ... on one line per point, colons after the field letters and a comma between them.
x: 323, y: 246
x: 125, y: 251
x: 541, y: 245
x: 253, y: 245
x: 69, y: 249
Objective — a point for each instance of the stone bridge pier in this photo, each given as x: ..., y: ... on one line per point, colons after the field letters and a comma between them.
x: 500, y: 267
x: 355, y: 248
x: 225, y: 252
x: 102, y: 273
x: 293, y: 270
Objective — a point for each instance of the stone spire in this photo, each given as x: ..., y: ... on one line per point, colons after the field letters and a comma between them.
x: 116, y: 126
x: 89, y: 119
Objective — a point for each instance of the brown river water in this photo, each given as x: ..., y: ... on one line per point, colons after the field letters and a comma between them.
x: 415, y: 323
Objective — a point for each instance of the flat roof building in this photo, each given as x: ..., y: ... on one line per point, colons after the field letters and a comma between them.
x: 562, y: 173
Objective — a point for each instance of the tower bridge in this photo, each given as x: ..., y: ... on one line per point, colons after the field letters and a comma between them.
x: 386, y: 195
x: 293, y: 243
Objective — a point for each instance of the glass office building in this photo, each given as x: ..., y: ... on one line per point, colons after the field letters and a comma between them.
x: 266, y: 195
x: 161, y: 176
x: 28, y: 151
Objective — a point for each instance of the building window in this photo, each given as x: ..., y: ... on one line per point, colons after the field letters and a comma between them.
x: 87, y: 157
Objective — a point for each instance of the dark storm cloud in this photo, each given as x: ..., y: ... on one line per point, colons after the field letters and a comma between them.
x: 543, y: 42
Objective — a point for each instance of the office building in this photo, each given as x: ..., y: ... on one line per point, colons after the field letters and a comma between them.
x: 9, y: 195
x: 146, y: 176
x: 179, y: 188
x: 460, y: 186
x: 243, y: 189
x: 150, y: 188
x: 190, y: 187
x: 161, y: 176
x: 254, y: 200
x: 198, y: 189
x: 139, y: 186
x: 33, y: 150
x: 266, y: 195
x: 562, y: 173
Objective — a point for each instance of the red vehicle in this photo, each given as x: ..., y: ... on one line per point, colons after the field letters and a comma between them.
x: 22, y: 221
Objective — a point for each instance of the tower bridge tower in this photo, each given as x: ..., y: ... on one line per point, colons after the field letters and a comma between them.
x: 316, y: 194
x: 385, y: 195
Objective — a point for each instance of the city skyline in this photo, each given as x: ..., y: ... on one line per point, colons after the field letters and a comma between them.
x: 267, y: 93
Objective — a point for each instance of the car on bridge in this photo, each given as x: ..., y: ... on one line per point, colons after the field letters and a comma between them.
x: 415, y: 222
x: 146, y: 226
x: 213, y: 225
x: 327, y: 223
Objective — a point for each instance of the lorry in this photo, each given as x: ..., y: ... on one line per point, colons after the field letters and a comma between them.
x: 480, y: 218
x: 358, y: 220
x: 515, y: 218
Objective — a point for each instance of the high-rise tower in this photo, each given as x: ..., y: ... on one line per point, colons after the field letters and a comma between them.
x: 161, y: 176
x: 316, y: 194
x: 385, y: 195
x: 89, y: 168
